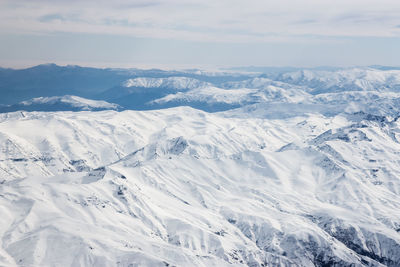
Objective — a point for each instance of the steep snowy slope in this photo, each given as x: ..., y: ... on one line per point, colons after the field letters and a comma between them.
x: 60, y: 103
x: 182, y: 187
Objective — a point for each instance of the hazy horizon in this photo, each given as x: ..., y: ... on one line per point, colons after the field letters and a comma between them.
x: 189, y: 67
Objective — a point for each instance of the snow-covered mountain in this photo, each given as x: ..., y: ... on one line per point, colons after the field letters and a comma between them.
x: 356, y: 79
x: 184, y: 187
x: 176, y: 83
x: 60, y: 103
x: 286, y: 175
x: 47, y: 80
x: 353, y: 90
x: 138, y: 93
x: 237, y: 96
x: 209, y: 91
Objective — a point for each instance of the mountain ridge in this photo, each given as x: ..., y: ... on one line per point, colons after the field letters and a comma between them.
x: 248, y: 172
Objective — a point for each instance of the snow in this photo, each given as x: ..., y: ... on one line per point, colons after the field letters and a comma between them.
x: 60, y: 103
x: 291, y: 177
x: 240, y: 96
x: 178, y: 83
x: 355, y: 79
x: 358, y: 86
x: 74, y: 101
x: 187, y: 187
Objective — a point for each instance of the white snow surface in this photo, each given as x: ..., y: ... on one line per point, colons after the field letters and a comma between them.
x: 355, y: 79
x: 182, y: 187
x: 239, y: 96
x: 177, y: 83
x: 305, y: 172
x: 359, y: 86
x: 71, y: 100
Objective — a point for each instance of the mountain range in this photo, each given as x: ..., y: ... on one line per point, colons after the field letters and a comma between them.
x: 285, y: 167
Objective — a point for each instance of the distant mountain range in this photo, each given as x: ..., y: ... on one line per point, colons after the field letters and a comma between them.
x: 53, y: 80
x: 52, y: 86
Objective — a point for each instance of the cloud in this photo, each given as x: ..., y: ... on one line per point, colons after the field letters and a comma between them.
x: 51, y: 17
x: 207, y: 20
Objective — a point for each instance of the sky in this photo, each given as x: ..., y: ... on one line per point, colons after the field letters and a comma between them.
x: 194, y: 33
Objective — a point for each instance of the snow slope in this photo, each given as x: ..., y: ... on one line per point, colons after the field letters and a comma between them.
x: 176, y: 83
x: 182, y: 187
x: 240, y: 96
x: 60, y: 103
x: 298, y: 170
x: 358, y: 87
x: 138, y: 93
